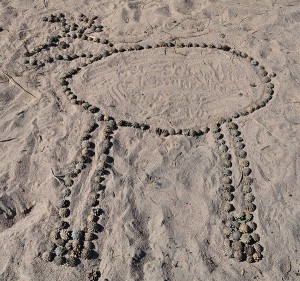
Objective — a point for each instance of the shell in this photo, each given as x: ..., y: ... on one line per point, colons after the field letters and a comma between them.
x: 68, y: 182
x: 77, y: 235
x: 227, y: 207
x: 228, y: 252
x: 246, y: 171
x: 242, y: 154
x: 64, y: 212
x: 226, y: 180
x: 60, y: 242
x: 215, y: 128
x: 60, y: 251
x: 72, y: 261
x: 51, y: 246
x: 227, y: 243
x: 227, y: 196
x: 238, y: 246
x: 258, y: 248
x: 249, y: 250
x: 86, y: 144
x: 236, y: 235
x: 232, y: 126
x: 227, y: 163
x: 228, y: 188
x: 66, y: 192
x: 89, y: 236
x: 227, y: 172
x: 235, y: 133
x: 246, y: 189
x: 239, y: 145
x: 69, y: 245
x: 252, y: 225
x: 226, y: 156
x: 266, y: 79
x: 64, y: 204
x: 65, y: 234
x: 79, y: 166
x: 54, y: 234
x: 255, y: 237
x: 46, y: 256
x: 246, y: 238
x: 257, y: 257
x: 62, y: 225
x: 244, y: 228
x: 92, y: 227
x: 263, y: 72
x: 248, y: 217
x: 239, y: 256
x: 59, y: 260
x: 77, y: 244
x: 249, y: 259
x: 250, y: 207
x: 240, y: 215
x: 223, y: 148
x: 249, y: 197
x: 218, y: 136
x: 92, y: 218
x: 244, y: 163
x: 238, y: 139
x: 88, y: 245
x: 86, y: 254
x: 248, y: 180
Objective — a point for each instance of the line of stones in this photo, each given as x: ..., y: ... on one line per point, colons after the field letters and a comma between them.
x: 267, y: 92
x: 77, y: 244
x: 69, y: 30
x: 240, y: 238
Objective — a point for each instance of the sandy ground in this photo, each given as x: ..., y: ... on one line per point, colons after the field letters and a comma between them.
x: 161, y: 205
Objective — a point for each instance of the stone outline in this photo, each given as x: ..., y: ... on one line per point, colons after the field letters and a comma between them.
x: 112, y: 124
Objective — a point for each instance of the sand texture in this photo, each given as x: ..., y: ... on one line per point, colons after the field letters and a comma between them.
x: 149, y: 140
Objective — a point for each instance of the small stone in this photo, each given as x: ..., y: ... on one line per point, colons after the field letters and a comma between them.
x: 47, y: 256
x: 238, y: 255
x: 236, y: 235
x: 244, y: 228
x: 59, y: 260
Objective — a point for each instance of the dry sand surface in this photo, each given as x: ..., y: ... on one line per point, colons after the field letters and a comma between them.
x: 160, y: 211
